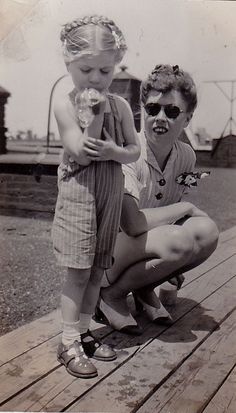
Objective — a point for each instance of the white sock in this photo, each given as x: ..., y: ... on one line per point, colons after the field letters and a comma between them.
x: 84, y: 322
x: 70, y: 333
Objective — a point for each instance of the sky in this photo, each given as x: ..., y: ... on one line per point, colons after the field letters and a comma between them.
x: 199, y: 36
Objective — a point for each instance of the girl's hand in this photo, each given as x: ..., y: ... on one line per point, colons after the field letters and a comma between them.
x: 98, y: 150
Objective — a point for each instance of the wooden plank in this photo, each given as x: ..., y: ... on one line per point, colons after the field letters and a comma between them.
x: 36, y: 332
x: 196, y: 291
x: 126, y: 389
x: 28, y: 336
x: 221, y: 274
x: 188, y: 299
x: 225, y: 249
x: 228, y: 235
x: 222, y: 253
x: 193, y: 384
x: 205, y: 284
x: 30, y: 366
x: 27, y: 368
x: 225, y: 399
x: 58, y: 389
x: 31, y: 335
x: 57, y: 397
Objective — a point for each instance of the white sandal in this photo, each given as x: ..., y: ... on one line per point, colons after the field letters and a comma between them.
x: 157, y: 315
x: 125, y: 324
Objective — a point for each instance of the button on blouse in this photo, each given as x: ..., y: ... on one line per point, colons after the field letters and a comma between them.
x: 159, y: 195
x: 162, y: 182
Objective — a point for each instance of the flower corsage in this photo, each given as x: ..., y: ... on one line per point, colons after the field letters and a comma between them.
x: 189, y: 179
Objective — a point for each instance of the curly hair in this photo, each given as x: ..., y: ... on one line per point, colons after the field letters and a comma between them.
x: 165, y: 78
x: 90, y: 34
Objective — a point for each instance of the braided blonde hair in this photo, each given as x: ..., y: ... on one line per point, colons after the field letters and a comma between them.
x: 90, y: 34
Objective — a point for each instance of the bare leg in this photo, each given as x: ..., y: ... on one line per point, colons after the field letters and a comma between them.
x: 174, y: 247
x: 205, y: 235
x: 81, y: 292
x: 178, y: 252
x: 92, y: 291
x: 73, y: 292
x: 162, y: 242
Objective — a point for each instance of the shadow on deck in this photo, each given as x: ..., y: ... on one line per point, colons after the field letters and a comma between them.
x: 188, y: 367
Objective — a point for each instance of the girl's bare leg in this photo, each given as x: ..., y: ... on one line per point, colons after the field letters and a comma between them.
x: 73, y: 293
x: 71, y: 303
x: 91, y: 293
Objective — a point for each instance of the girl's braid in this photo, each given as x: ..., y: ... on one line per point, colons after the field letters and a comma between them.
x: 98, y: 20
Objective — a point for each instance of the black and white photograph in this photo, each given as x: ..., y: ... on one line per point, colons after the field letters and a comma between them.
x: 117, y: 206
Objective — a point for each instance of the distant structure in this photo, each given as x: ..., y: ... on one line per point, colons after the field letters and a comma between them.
x: 128, y: 86
x: 4, y: 95
x: 200, y: 144
x: 224, y: 148
x: 224, y: 151
x: 49, y: 134
x: 220, y: 152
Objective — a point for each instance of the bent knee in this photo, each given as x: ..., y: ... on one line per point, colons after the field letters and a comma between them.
x: 181, y: 242
x: 206, y: 232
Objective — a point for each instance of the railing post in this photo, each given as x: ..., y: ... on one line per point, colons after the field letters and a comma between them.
x: 49, y: 109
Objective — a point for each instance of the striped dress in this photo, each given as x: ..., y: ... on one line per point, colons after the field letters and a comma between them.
x: 88, y: 207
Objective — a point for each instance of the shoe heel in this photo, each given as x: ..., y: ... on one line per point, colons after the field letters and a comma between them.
x: 99, y: 317
x: 60, y: 360
x: 138, y: 305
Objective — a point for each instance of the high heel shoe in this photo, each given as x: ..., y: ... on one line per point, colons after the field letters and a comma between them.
x: 124, y: 324
x: 178, y: 280
x: 157, y: 315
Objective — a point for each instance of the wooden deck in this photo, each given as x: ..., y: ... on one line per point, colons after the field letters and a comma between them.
x: 186, y: 368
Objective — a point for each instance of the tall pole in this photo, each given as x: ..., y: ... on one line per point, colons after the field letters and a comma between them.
x: 49, y: 109
x: 230, y: 98
x: 231, y: 107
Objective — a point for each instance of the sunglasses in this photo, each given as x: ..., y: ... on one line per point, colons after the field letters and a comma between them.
x: 171, y: 111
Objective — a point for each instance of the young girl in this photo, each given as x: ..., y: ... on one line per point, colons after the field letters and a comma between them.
x: 90, y: 181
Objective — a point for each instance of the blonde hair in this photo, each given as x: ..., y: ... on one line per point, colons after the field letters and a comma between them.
x: 91, y: 35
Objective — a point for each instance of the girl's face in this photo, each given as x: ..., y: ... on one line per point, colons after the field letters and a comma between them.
x: 162, y: 126
x: 93, y: 71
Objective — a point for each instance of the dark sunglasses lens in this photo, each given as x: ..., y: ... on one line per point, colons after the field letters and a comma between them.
x: 153, y: 109
x: 172, y: 112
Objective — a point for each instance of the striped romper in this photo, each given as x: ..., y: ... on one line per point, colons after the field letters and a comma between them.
x: 88, y: 207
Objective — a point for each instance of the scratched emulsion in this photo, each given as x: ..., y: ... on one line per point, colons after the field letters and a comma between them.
x: 16, y: 17
x: 15, y: 46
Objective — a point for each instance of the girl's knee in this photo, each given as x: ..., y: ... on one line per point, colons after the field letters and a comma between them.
x: 96, y: 275
x: 78, y: 276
